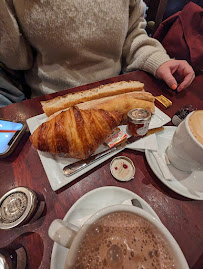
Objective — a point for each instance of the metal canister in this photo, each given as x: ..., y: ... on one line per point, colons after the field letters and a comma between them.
x: 17, y: 207
x: 138, y: 121
x: 182, y: 113
x: 11, y: 258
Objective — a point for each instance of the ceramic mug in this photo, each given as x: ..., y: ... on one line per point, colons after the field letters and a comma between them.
x: 70, y: 236
x: 185, y: 152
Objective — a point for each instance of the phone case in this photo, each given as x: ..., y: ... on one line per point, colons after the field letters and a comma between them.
x: 15, y: 140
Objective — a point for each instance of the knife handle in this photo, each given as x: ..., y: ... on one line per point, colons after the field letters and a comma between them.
x: 73, y: 168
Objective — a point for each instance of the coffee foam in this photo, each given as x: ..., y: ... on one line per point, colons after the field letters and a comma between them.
x: 132, y: 243
x: 196, y: 125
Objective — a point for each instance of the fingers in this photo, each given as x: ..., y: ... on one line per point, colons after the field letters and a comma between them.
x: 167, y: 76
x: 177, y: 68
x: 187, y: 74
x: 186, y: 82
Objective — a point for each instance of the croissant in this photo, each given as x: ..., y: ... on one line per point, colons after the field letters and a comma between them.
x: 75, y: 133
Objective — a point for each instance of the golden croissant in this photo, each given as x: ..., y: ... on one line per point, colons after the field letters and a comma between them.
x: 75, y: 133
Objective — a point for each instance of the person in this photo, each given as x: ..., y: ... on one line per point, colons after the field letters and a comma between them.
x: 66, y: 43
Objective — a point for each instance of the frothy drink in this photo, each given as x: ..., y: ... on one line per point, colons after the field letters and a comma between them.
x: 123, y: 240
x: 196, y: 125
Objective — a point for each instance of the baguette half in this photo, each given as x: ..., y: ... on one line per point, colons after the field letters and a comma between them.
x: 121, y: 103
x: 71, y: 99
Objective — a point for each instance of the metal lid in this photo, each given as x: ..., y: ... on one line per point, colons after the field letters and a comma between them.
x: 122, y: 168
x: 16, y: 207
x: 3, y: 262
x: 139, y: 114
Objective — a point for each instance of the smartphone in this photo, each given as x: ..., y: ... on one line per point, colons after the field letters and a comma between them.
x: 10, y: 134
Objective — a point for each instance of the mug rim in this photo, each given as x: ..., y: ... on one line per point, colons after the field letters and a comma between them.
x: 189, y: 130
x: 174, y: 248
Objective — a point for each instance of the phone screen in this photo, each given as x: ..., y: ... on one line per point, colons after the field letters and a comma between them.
x: 8, y: 132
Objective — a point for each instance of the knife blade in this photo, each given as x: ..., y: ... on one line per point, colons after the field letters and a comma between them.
x: 73, y: 168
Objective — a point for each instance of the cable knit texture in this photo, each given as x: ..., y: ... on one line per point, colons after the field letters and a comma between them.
x: 76, y: 42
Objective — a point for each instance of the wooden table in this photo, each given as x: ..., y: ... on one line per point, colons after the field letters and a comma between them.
x: 183, y: 217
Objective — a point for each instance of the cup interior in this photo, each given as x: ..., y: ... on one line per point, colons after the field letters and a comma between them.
x: 172, y: 246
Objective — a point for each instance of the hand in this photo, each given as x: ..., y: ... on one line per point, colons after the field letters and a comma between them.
x: 176, y: 69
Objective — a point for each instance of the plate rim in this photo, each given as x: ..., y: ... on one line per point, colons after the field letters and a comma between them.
x: 107, y: 188
x: 167, y: 183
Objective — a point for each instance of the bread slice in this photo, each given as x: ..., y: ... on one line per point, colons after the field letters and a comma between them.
x: 71, y: 99
x: 121, y: 103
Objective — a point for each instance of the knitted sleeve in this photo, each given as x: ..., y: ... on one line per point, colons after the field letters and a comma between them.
x: 15, y: 52
x: 141, y: 51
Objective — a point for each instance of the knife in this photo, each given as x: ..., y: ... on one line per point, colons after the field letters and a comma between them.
x: 73, y: 168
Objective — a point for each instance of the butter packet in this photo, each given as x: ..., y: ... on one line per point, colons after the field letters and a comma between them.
x: 163, y: 101
x: 116, y: 138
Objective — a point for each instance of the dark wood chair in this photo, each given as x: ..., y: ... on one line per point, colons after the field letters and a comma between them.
x: 159, y: 10
x: 155, y: 13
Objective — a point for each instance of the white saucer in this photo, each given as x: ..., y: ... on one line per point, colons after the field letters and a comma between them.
x: 89, y: 204
x: 187, y: 184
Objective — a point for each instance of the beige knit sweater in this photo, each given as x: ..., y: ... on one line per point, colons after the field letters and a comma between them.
x: 67, y: 43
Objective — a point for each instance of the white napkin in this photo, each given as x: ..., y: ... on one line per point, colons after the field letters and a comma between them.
x: 162, y: 165
x: 149, y: 142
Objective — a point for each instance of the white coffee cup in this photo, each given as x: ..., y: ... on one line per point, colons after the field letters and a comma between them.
x: 70, y: 236
x: 185, y: 152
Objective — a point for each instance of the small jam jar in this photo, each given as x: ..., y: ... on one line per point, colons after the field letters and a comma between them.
x: 138, y: 121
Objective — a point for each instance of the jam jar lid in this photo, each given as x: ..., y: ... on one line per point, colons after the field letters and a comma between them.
x: 16, y: 207
x: 122, y: 168
x: 139, y: 114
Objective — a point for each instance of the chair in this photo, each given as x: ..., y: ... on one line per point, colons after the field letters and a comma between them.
x: 159, y: 10
x: 155, y: 13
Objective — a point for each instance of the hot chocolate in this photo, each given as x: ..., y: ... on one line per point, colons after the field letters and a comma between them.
x: 196, y: 125
x: 122, y: 240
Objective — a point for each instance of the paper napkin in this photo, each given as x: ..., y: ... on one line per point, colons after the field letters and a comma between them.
x: 148, y: 142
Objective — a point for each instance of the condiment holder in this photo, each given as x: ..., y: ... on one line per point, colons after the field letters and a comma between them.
x: 18, y: 207
x: 11, y: 258
x: 138, y: 122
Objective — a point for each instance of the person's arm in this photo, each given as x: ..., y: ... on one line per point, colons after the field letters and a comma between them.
x: 145, y: 53
x: 15, y: 52
x: 140, y: 51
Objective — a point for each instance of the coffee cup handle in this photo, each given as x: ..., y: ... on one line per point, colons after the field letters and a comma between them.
x: 62, y: 232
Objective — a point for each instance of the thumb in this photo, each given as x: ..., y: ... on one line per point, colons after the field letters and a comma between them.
x: 168, y: 78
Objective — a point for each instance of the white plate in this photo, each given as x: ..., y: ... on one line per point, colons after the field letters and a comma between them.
x: 159, y: 119
x: 187, y: 184
x: 89, y: 204
x: 53, y: 165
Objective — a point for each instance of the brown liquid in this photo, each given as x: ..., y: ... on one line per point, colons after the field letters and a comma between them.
x: 123, y: 240
x: 196, y: 125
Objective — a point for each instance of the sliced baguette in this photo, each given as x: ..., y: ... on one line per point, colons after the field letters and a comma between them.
x: 71, y: 99
x: 122, y: 103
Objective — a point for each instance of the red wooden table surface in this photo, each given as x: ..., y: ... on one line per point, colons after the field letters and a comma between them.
x: 183, y: 217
